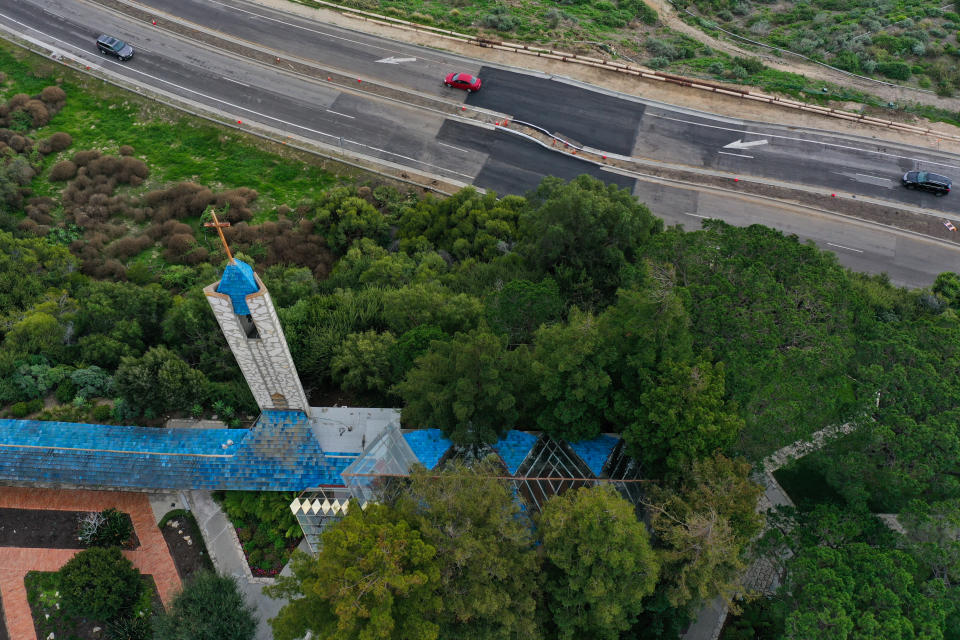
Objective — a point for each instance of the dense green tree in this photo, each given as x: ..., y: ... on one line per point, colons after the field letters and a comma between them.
x: 191, y: 330
x: 585, y: 233
x: 137, y: 311
x: 467, y: 224
x: 345, y: 217
x: 683, y: 416
x: 469, y: 387
x: 599, y: 563
x: 410, y: 346
x: 947, y: 287
x: 412, y: 306
x: 159, y: 381
x: 374, y: 578
x: 362, y: 362
x: 489, y: 569
x: 288, y: 284
x: 570, y: 364
x: 521, y: 307
x: 210, y: 607
x: 703, y: 527
x: 860, y: 592
x: 99, y: 583
x: 781, y: 316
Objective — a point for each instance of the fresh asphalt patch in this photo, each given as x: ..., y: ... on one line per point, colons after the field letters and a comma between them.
x: 587, y: 117
x: 515, y: 165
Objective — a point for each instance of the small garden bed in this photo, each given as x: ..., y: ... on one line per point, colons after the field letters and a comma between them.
x: 267, y: 530
x: 43, y: 594
x: 47, y: 528
x: 185, y: 543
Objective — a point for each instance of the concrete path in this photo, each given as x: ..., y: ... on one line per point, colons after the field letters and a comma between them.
x: 228, y: 558
x: 151, y: 558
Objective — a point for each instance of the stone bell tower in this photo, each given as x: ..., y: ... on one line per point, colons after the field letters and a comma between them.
x: 245, y: 312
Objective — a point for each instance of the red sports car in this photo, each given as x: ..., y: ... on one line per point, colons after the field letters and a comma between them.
x: 462, y: 81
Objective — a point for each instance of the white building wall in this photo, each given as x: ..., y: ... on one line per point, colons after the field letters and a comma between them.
x: 266, y: 362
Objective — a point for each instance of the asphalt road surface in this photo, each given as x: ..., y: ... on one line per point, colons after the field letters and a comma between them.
x: 432, y: 142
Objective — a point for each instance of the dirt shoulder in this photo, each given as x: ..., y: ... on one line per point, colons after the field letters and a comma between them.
x: 649, y: 89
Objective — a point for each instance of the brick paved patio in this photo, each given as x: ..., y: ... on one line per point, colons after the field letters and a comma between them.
x: 152, y: 558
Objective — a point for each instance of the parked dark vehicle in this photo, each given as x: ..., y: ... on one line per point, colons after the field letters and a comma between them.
x: 934, y: 183
x: 114, y: 47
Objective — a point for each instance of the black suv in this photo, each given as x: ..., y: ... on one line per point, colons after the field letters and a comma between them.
x: 114, y: 47
x: 936, y: 184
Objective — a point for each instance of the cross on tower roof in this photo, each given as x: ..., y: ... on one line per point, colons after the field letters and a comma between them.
x: 219, y: 227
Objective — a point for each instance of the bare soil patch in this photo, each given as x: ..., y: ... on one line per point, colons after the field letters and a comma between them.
x: 185, y: 543
x: 45, y: 528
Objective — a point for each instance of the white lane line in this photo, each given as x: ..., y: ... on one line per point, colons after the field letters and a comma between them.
x: 739, y: 155
x: 242, y: 84
x: 826, y: 144
x: 840, y: 246
x: 453, y: 147
x: 236, y: 106
x: 325, y: 34
x: 337, y: 113
x: 693, y: 214
x: 867, y: 175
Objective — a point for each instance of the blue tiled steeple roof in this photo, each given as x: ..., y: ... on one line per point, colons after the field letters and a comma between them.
x: 595, y: 452
x: 514, y: 447
x: 428, y: 445
x: 279, y: 453
x: 238, y: 282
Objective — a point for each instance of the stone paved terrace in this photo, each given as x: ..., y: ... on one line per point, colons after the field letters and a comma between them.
x: 279, y: 453
x: 151, y: 557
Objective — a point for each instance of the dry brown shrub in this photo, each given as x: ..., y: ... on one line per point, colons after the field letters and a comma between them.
x: 111, y: 269
x: 63, y: 170
x: 104, y: 166
x: 128, y: 246
x: 17, y: 101
x: 198, y: 255
x: 179, y: 243
x: 283, y: 211
x: 38, y: 113
x: 125, y: 150
x: 17, y: 143
x: 366, y: 193
x: 81, y: 158
x: 60, y: 141
x: 28, y: 226
x: 53, y: 95
x: 133, y: 170
x: 38, y: 215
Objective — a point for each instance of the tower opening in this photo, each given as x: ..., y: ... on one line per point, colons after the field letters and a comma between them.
x: 249, y: 327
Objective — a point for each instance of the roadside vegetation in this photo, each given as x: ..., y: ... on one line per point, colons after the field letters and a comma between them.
x: 910, y: 42
x: 570, y: 310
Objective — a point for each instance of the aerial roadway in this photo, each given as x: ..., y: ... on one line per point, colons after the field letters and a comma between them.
x: 203, y: 57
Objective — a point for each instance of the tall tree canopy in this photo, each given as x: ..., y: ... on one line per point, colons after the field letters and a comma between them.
x: 600, y: 565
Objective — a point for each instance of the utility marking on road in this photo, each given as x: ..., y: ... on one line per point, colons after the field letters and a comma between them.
x: 337, y: 113
x: 695, y: 215
x: 740, y: 144
x: 392, y: 60
x: 256, y: 113
x: 453, y: 147
x: 326, y: 34
x: 826, y: 144
x: 242, y: 84
x: 840, y: 246
x: 739, y: 155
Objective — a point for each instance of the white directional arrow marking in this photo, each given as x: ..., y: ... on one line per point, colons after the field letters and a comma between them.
x: 740, y: 144
x: 392, y: 60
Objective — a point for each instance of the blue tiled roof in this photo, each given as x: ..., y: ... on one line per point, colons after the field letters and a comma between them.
x: 428, y: 445
x: 595, y: 452
x: 278, y: 454
x: 238, y: 282
x: 514, y: 447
